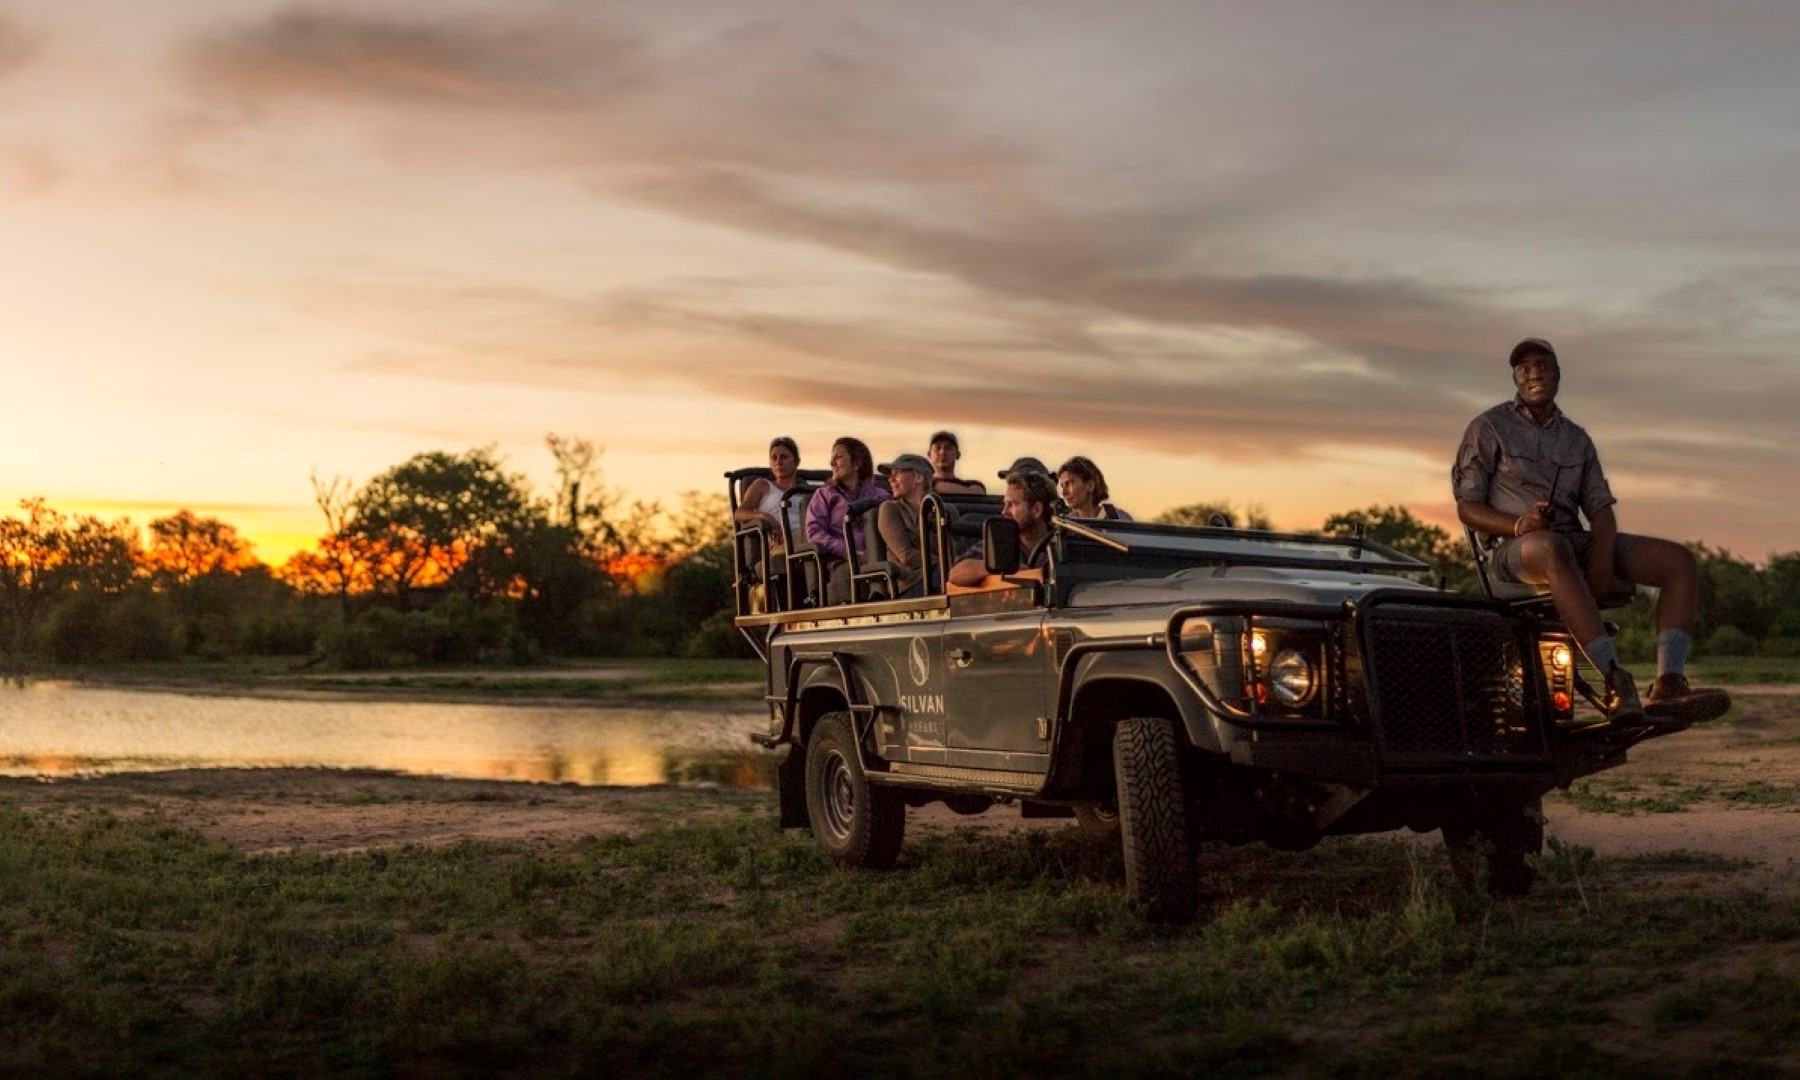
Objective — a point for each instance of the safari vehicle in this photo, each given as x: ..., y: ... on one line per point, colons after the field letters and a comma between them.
x: 1170, y: 685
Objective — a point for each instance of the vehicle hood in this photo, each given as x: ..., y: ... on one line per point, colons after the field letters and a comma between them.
x: 1236, y: 583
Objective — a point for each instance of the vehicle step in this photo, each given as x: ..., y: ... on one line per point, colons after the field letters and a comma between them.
x: 1018, y: 781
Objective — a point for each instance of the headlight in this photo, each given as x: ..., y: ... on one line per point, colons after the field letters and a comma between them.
x: 1291, y: 677
x: 1259, y: 644
x: 1560, y: 657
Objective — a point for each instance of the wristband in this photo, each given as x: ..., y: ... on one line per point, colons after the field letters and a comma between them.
x: 1517, y: 524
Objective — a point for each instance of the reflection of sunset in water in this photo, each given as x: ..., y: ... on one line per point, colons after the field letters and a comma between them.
x: 59, y: 730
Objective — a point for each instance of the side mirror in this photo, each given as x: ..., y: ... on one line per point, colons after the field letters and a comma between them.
x: 1000, y: 544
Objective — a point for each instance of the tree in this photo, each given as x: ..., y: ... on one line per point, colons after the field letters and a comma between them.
x: 1396, y: 527
x: 1732, y: 593
x: 347, y: 561
x: 185, y: 547
x: 46, y: 553
x: 1254, y: 516
x: 440, y: 518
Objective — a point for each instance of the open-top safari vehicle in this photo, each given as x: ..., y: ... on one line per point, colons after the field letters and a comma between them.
x: 1167, y: 685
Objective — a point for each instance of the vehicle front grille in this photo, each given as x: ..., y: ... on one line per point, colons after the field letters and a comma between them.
x: 1447, y: 685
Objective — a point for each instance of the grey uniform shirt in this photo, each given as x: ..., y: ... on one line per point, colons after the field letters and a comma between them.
x: 1509, y: 461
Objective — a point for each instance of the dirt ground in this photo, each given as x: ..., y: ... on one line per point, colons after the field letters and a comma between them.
x: 1735, y: 785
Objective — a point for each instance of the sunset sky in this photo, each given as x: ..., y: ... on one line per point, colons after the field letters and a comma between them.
x: 1273, y: 253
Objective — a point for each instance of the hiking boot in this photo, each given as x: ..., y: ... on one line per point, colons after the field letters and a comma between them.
x: 1621, y: 703
x: 1671, y: 698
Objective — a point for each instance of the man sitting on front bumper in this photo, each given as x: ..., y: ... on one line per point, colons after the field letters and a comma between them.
x: 1522, y: 474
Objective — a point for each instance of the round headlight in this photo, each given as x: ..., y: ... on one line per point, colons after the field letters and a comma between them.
x: 1291, y: 677
x: 1560, y: 657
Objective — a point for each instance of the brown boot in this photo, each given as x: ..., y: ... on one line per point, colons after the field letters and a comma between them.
x: 1671, y: 698
x: 1621, y: 703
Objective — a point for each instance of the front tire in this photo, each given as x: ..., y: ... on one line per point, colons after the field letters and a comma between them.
x: 1159, y: 861
x: 858, y: 824
x: 1098, y: 821
x: 1500, y: 841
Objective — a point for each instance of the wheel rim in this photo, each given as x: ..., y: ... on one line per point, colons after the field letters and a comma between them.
x: 840, y: 795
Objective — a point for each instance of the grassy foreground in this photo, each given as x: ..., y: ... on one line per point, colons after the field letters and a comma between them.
x: 711, y: 942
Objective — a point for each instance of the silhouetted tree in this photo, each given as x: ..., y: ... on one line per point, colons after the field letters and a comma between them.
x: 46, y: 552
x: 1396, y: 527
x: 440, y: 518
x: 184, y: 547
x: 1253, y: 516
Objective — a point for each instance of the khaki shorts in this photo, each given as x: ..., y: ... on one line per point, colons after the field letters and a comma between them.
x: 1510, y: 568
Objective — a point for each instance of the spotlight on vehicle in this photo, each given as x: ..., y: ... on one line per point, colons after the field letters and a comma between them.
x: 1291, y: 677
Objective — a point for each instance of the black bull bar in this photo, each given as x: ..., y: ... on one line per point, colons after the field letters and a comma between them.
x: 1434, y: 713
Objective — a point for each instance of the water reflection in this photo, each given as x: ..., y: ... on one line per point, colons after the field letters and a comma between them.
x: 59, y: 729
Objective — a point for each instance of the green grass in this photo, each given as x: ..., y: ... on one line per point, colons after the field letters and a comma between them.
x: 722, y: 945
x: 1664, y: 794
x: 1729, y: 670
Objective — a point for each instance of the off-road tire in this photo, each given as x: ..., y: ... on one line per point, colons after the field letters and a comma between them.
x: 1159, y: 861
x: 858, y: 824
x: 1494, y: 851
x: 1098, y: 821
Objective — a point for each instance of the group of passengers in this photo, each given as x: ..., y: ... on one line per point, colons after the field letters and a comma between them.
x: 1032, y: 496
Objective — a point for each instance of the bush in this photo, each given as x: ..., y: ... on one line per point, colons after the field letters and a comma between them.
x: 290, y: 630
x: 145, y: 626
x: 75, y: 632
x: 1781, y: 647
x: 718, y: 638
x: 89, y: 627
x: 370, y: 640
x: 1728, y: 640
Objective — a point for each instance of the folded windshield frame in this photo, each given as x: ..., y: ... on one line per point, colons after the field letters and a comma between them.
x: 1101, y: 540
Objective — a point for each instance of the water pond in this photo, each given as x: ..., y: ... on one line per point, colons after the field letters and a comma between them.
x: 59, y: 729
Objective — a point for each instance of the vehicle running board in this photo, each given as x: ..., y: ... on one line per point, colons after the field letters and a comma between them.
x: 901, y: 771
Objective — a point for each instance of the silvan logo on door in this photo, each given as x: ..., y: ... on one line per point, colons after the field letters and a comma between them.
x: 918, y: 665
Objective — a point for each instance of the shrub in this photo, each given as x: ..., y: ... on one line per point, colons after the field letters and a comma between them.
x: 1783, y: 647
x: 1728, y: 640
x: 370, y: 640
x: 717, y: 637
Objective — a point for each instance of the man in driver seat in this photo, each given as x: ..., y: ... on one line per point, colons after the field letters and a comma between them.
x: 1525, y: 474
x: 1029, y: 501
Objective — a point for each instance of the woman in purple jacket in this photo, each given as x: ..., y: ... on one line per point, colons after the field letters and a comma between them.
x: 852, y: 480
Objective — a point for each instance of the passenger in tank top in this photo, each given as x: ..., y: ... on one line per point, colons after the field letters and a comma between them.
x: 762, y: 502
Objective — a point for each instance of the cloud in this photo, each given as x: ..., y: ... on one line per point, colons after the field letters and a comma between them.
x: 1156, y: 278
x: 492, y: 63
x: 19, y: 46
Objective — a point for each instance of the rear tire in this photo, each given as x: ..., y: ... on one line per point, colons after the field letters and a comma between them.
x: 857, y: 824
x: 1159, y: 862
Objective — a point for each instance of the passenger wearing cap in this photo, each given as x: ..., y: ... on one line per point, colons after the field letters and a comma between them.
x: 1030, y: 501
x: 945, y: 452
x: 899, y: 521
x: 1024, y: 464
x: 1526, y: 475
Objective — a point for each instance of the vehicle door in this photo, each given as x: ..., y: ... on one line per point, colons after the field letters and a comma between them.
x: 1000, y: 677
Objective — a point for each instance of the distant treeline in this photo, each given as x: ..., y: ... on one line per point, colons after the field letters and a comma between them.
x: 448, y: 558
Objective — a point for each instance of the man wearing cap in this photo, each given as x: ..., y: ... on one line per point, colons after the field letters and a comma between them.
x: 1525, y: 475
x: 898, y: 519
x: 945, y: 452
